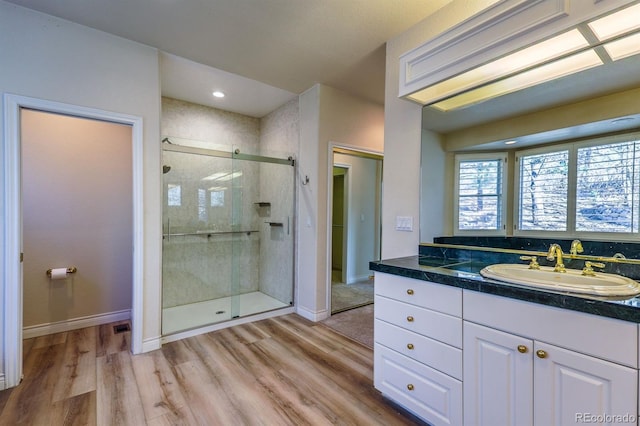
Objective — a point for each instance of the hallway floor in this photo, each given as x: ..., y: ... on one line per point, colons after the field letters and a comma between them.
x: 349, y: 296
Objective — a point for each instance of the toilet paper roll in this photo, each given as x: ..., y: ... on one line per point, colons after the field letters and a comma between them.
x: 59, y: 273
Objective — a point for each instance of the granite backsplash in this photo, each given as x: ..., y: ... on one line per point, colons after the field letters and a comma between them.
x: 630, y: 250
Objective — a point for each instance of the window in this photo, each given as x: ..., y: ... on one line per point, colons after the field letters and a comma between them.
x: 607, y: 188
x: 544, y: 183
x: 584, y: 187
x: 480, y: 193
x: 174, y: 195
x: 217, y: 198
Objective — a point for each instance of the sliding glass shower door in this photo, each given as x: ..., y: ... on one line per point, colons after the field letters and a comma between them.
x: 227, y: 237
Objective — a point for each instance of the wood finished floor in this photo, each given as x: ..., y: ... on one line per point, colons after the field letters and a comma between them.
x: 279, y: 371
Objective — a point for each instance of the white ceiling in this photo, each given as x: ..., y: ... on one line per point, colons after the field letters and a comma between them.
x: 260, y: 52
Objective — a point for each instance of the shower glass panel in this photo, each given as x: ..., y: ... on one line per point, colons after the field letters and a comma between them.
x: 227, y: 236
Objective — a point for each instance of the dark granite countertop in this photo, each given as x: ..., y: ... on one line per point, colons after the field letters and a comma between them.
x: 465, y: 274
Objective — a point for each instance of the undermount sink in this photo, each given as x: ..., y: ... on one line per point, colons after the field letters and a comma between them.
x: 572, y: 280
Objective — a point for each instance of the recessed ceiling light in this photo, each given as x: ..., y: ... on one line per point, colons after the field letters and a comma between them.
x: 510, y: 142
x: 218, y: 94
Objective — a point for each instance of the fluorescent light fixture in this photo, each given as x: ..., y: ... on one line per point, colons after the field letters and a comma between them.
x: 617, y: 23
x: 215, y: 176
x: 560, y: 68
x: 564, y: 54
x: 229, y: 177
x: 218, y: 94
x: 624, y: 47
x: 554, y: 47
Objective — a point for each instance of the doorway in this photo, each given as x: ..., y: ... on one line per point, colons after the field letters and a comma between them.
x: 12, y: 277
x: 77, y: 203
x: 356, y: 194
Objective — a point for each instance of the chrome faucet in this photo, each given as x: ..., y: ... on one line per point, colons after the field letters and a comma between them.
x: 555, y: 252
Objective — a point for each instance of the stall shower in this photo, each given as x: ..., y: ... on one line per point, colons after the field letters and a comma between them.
x: 228, y: 243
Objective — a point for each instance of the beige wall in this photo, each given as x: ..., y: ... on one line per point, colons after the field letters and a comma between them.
x: 77, y: 204
x: 327, y: 116
x: 402, y: 131
x: 59, y: 61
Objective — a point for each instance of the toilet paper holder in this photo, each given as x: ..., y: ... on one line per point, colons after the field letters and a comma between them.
x: 70, y: 270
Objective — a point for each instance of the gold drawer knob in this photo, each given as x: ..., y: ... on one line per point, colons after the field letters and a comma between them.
x: 410, y: 318
x: 410, y: 292
x: 410, y: 386
x: 541, y: 353
x: 522, y: 349
x: 410, y: 346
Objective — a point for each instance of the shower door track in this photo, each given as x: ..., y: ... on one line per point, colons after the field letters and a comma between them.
x: 226, y: 154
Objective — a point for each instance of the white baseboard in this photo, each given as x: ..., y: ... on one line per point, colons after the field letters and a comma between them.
x: 3, y: 384
x: 311, y: 315
x: 74, y: 324
x: 151, y: 344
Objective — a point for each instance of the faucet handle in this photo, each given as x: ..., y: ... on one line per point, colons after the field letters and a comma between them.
x: 588, y: 268
x: 534, y: 261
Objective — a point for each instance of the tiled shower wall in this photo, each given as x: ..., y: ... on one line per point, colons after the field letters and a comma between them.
x: 197, y: 268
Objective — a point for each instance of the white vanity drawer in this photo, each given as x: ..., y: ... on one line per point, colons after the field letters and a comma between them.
x: 602, y: 337
x: 438, y: 326
x: 439, y: 297
x: 432, y: 395
x: 444, y: 358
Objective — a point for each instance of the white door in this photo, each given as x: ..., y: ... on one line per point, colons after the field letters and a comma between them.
x: 498, y: 377
x: 572, y: 388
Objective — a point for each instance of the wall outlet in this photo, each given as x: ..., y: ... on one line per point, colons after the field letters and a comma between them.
x: 404, y: 223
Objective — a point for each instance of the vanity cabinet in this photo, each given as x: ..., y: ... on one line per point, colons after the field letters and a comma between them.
x: 418, y: 347
x: 512, y: 380
x: 519, y: 378
x: 510, y: 361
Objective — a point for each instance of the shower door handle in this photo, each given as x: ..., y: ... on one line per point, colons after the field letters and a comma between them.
x: 287, y: 225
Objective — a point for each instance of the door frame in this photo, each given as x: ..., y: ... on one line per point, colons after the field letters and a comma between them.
x: 364, y: 152
x: 12, y: 227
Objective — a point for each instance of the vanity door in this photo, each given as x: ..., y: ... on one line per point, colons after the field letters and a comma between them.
x: 573, y: 388
x: 498, y: 378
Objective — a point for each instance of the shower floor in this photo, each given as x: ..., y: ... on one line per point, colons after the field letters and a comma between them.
x: 193, y: 315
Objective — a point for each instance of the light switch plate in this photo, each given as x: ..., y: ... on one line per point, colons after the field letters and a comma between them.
x: 404, y: 223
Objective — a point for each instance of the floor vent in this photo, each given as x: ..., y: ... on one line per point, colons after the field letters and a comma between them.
x: 121, y: 328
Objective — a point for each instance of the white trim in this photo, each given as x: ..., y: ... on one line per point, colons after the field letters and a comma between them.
x: 459, y: 158
x: 75, y: 323
x: 225, y: 324
x: 151, y: 344
x: 12, y: 279
x: 3, y: 385
x: 311, y: 315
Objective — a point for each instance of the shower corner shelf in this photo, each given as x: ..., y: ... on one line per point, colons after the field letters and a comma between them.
x: 262, y: 204
x: 275, y: 223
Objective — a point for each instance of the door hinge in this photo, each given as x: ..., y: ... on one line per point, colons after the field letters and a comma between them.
x: 21, y: 257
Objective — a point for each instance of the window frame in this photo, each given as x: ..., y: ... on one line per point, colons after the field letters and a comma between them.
x: 517, y: 190
x: 502, y: 157
x: 571, y: 218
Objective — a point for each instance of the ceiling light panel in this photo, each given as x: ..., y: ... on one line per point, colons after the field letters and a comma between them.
x: 624, y: 47
x: 617, y: 23
x: 560, y: 68
x: 555, y: 47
